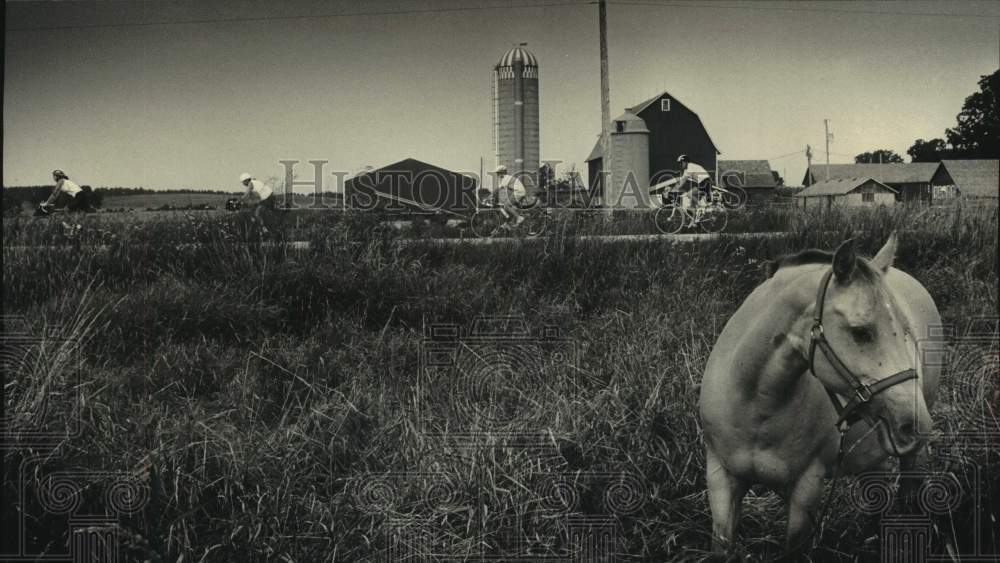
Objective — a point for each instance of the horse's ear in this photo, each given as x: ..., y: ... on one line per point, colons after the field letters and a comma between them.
x: 883, y: 260
x: 844, y: 261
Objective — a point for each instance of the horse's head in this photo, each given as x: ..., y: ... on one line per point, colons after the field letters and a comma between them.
x: 868, y: 335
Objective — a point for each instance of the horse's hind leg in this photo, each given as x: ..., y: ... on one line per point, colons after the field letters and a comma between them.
x: 725, y: 496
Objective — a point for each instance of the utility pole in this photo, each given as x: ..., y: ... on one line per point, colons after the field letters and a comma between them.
x: 605, y: 176
x: 826, y: 129
x: 809, y: 162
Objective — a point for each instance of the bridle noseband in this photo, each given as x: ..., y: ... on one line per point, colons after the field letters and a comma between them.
x: 863, y: 393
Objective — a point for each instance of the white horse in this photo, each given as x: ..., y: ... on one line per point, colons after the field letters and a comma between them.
x: 826, y: 339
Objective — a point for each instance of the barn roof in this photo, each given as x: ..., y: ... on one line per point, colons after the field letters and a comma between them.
x: 977, y: 178
x: 640, y: 107
x: 889, y: 173
x: 597, y: 151
x: 414, y: 183
x: 838, y: 186
x: 755, y: 173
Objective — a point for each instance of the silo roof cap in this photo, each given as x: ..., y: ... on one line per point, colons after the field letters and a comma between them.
x: 633, y: 123
x: 518, y: 53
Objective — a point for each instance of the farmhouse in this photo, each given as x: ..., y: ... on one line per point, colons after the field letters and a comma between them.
x: 668, y: 129
x: 847, y: 192
x: 911, y: 181
x: 977, y: 180
x: 410, y: 185
x: 754, y: 177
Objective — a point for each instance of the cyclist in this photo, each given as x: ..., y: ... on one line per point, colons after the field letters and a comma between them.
x: 66, y: 194
x: 509, y: 192
x: 258, y: 193
x: 695, y: 186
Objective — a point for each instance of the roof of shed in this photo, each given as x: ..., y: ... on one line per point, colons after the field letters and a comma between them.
x: 755, y: 173
x: 838, y: 186
x: 889, y: 173
x: 979, y: 178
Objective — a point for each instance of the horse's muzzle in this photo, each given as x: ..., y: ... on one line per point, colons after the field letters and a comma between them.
x: 900, y: 440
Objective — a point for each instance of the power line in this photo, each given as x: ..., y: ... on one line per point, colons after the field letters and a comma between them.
x: 304, y: 16
x: 801, y: 9
x: 800, y: 151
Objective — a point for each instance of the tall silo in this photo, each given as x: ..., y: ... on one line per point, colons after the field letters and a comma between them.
x: 629, y: 182
x: 515, y: 113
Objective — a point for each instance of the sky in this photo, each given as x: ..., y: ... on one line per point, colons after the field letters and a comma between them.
x: 194, y: 104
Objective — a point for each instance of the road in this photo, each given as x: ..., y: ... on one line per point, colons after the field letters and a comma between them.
x: 304, y: 244
x: 684, y: 237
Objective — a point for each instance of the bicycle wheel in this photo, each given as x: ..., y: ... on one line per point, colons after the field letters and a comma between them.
x: 670, y: 220
x: 485, y: 224
x: 535, y: 224
x: 714, y: 219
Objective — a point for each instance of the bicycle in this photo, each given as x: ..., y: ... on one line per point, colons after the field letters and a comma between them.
x: 489, y: 222
x: 709, y: 215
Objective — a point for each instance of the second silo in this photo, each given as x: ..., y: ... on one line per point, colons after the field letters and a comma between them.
x: 629, y: 182
x: 515, y: 113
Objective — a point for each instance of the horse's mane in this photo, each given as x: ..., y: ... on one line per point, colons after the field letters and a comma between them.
x: 811, y: 256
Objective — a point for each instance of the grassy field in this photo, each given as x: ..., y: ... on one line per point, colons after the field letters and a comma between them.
x: 146, y: 201
x: 279, y: 405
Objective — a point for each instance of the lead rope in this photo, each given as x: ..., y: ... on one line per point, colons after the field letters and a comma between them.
x: 818, y: 538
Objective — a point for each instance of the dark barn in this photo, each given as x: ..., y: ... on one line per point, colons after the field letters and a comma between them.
x: 673, y: 130
x: 411, y: 185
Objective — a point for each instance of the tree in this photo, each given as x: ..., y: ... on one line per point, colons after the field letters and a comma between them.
x: 977, y: 134
x: 929, y: 151
x: 878, y: 156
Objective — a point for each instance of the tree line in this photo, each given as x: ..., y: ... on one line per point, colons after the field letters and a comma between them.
x: 975, y: 135
x: 14, y: 197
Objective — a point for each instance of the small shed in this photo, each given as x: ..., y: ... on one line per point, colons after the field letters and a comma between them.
x: 754, y: 177
x: 977, y: 180
x: 852, y: 192
x: 910, y: 180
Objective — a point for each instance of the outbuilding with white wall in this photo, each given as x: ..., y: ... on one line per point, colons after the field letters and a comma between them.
x: 851, y: 192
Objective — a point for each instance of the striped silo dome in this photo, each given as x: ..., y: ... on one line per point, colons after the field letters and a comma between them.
x: 518, y: 53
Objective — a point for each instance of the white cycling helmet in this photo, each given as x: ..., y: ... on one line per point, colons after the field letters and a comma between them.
x: 244, y: 177
x: 501, y: 168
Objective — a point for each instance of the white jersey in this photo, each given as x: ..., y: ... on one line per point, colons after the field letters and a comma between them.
x: 696, y: 173
x: 514, y: 185
x: 260, y: 190
x: 68, y: 187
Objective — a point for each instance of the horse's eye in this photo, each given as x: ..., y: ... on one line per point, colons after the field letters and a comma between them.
x: 863, y: 335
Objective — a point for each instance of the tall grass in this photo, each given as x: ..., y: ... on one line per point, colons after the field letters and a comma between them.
x: 276, y: 397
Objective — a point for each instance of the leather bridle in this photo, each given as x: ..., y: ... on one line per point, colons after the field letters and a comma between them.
x: 856, y: 407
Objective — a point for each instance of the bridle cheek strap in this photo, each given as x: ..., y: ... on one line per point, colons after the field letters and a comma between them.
x: 862, y: 393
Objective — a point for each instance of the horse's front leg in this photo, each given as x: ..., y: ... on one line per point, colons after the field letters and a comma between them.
x: 804, y: 498
x: 725, y: 498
